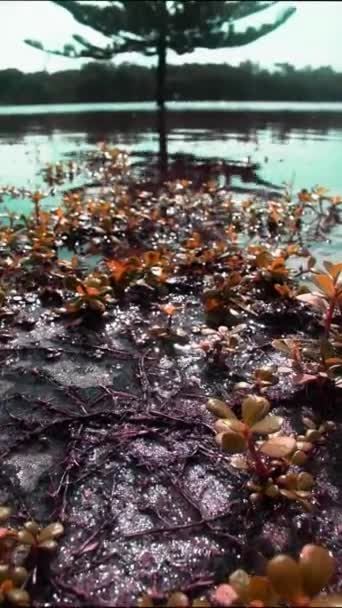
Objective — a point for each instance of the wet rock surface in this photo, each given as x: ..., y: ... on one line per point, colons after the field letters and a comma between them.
x: 109, y: 433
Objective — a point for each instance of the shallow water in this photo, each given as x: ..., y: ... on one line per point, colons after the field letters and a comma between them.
x: 293, y: 143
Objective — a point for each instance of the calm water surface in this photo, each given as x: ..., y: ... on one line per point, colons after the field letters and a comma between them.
x: 299, y: 143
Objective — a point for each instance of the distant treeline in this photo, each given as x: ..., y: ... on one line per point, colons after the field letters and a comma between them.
x: 105, y: 82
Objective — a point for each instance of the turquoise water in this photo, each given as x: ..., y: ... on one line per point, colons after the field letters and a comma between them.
x: 298, y: 143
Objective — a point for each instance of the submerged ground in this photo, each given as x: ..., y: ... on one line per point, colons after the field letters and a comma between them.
x: 123, y: 311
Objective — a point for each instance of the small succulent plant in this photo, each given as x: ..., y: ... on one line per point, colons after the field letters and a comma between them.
x: 329, y: 296
x: 238, y: 436
x: 219, y: 344
x: 315, y: 434
x: 13, y: 577
x: 151, y: 269
x: 14, y: 596
x: 292, y: 486
x: 305, y: 443
x: 36, y: 197
x: 271, y: 269
x: 2, y: 296
x: 93, y: 294
x: 169, y: 310
x: 299, y: 582
x: 40, y: 538
x: 167, y: 334
x: 261, y: 379
x: 224, y: 295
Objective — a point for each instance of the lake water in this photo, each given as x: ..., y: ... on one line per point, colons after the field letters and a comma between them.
x: 299, y: 143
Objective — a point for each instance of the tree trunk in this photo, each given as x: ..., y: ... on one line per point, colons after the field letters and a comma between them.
x: 160, y: 93
x: 163, y: 156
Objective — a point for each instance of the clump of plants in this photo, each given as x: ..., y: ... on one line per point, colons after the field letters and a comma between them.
x: 150, y: 269
x: 224, y: 296
x: 316, y: 361
x: 268, y: 461
x: 93, y: 294
x: 286, y: 581
x: 218, y: 345
x: 22, y: 552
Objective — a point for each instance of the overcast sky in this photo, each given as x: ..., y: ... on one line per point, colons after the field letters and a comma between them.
x: 313, y: 36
